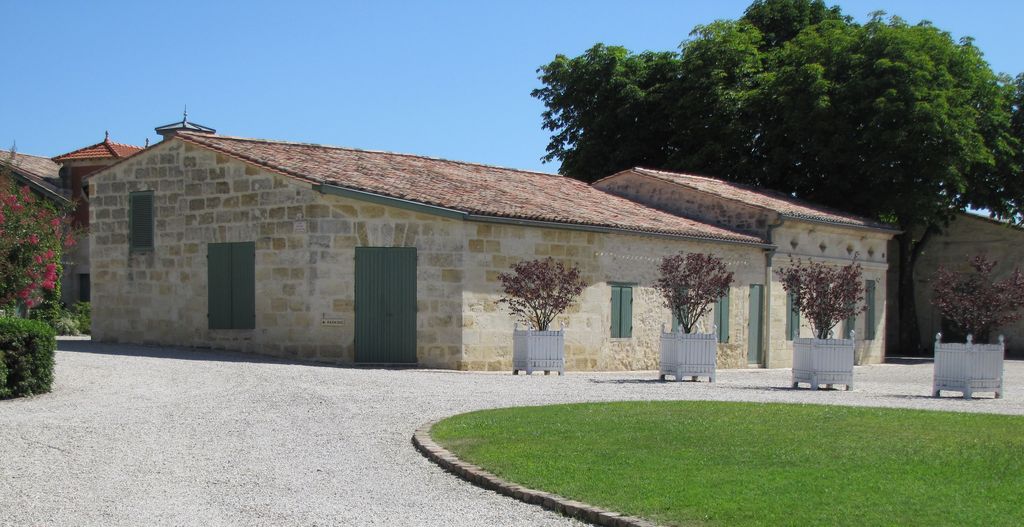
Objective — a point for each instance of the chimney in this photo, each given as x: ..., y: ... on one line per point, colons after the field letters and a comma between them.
x: 169, y: 130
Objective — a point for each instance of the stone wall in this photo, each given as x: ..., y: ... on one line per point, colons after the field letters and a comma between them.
x: 603, y: 259
x: 160, y: 296
x: 838, y: 245
x: 685, y: 201
x: 965, y: 237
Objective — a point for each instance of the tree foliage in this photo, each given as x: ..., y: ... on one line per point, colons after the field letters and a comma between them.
x: 32, y: 236
x: 826, y: 294
x: 690, y: 283
x: 894, y: 121
x: 975, y: 302
x: 537, y: 291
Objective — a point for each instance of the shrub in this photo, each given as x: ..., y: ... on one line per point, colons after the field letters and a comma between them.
x: 537, y: 291
x: 690, y: 284
x: 826, y: 294
x: 27, y: 347
x: 83, y: 314
x: 974, y: 302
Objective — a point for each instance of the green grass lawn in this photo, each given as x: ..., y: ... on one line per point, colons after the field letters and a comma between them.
x: 715, y: 463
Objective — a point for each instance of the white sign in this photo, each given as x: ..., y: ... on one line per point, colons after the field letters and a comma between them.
x: 299, y: 227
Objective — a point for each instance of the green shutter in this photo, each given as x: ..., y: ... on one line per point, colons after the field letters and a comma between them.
x: 385, y: 304
x: 622, y: 311
x: 722, y: 318
x: 792, y: 318
x: 243, y: 285
x: 218, y: 279
x: 627, y: 312
x: 616, y: 311
x: 140, y: 220
x: 755, y: 330
x: 869, y: 315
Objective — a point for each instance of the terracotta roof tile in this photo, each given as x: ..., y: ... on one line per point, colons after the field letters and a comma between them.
x: 106, y: 149
x: 465, y: 187
x: 769, y: 199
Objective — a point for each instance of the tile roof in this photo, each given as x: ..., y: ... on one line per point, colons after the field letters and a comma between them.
x: 466, y: 187
x: 106, y: 149
x: 39, y: 170
x: 768, y: 199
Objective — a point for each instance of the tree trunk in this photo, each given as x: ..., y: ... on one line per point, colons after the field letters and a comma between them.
x: 910, y: 250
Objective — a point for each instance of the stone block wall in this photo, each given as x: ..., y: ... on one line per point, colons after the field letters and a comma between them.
x: 305, y: 253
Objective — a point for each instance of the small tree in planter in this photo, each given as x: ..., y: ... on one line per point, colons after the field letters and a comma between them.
x: 690, y: 284
x: 975, y: 304
x: 827, y: 295
x: 535, y: 292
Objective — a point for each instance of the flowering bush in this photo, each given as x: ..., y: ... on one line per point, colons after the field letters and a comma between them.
x: 32, y: 236
x: 536, y: 291
x: 690, y: 284
x: 974, y: 302
x: 824, y: 293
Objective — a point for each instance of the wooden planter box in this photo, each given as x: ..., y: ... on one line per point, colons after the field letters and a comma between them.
x: 538, y: 351
x: 968, y: 368
x: 823, y: 361
x: 688, y: 355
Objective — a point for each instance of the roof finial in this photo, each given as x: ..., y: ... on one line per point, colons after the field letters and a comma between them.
x: 184, y: 116
x: 147, y: 142
x: 106, y: 135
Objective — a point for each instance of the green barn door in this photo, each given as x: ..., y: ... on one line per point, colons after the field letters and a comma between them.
x: 755, y: 337
x: 385, y: 304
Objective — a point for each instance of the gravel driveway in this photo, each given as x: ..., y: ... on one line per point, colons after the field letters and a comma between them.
x: 159, y: 436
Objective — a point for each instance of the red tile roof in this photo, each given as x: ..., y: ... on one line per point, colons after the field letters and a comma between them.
x: 768, y: 199
x: 466, y: 187
x: 106, y: 149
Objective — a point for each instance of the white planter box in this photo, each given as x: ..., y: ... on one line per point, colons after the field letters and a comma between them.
x: 968, y: 368
x: 538, y: 350
x: 823, y: 361
x: 688, y: 355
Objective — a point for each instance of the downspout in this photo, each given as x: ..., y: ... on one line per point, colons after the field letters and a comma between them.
x: 769, y: 254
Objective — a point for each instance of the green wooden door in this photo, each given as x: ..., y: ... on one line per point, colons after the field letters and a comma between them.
x: 755, y: 337
x: 385, y: 304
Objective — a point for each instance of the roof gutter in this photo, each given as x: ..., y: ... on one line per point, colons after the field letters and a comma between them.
x: 380, y: 199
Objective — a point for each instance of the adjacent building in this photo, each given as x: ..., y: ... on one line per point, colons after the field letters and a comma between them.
x: 355, y: 256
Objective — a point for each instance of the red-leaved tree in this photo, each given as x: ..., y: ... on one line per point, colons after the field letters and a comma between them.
x: 825, y: 294
x: 32, y: 236
x: 537, y: 291
x: 974, y: 302
x: 690, y: 284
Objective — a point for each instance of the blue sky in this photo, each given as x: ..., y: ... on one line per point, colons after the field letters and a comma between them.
x: 446, y: 79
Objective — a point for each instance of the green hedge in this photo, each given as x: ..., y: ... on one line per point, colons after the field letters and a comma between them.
x: 26, y: 357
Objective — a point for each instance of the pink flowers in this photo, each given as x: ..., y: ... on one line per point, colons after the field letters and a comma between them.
x: 33, y: 234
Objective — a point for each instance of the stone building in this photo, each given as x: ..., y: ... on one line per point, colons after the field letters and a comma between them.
x: 966, y: 236
x: 345, y: 255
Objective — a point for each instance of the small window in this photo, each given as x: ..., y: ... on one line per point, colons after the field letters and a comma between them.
x: 140, y: 221
x: 84, y: 291
x: 622, y: 311
x: 869, y: 315
x: 792, y: 318
x: 231, y: 285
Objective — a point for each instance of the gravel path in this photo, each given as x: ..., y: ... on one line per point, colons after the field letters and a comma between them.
x: 159, y: 436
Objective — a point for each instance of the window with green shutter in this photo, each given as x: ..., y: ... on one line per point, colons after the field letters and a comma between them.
x: 722, y: 318
x: 869, y: 315
x: 622, y: 311
x: 140, y: 221
x: 792, y: 318
x: 231, y: 285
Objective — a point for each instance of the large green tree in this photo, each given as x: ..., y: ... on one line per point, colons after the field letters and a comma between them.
x: 886, y: 119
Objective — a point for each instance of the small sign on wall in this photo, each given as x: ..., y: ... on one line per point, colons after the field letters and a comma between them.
x: 299, y: 227
x: 331, y: 321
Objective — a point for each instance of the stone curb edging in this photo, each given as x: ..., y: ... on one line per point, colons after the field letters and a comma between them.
x: 581, y: 511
